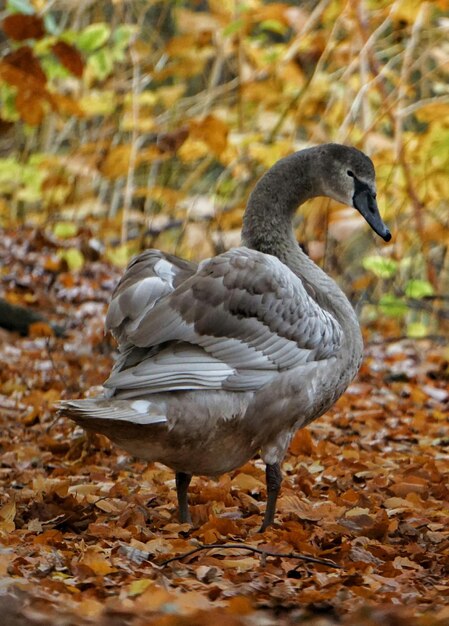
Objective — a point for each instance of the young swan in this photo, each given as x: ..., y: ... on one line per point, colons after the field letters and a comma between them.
x: 224, y: 360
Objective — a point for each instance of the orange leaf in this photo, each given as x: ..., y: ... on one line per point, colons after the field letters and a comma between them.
x: 302, y: 443
x: 20, y: 27
x: 212, y: 131
x: 30, y: 107
x: 40, y: 329
x: 66, y: 105
x: 240, y: 605
x: 70, y: 57
x: 97, y: 562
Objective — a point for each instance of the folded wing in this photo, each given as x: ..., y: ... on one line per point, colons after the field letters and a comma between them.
x: 232, y: 324
x: 149, y: 277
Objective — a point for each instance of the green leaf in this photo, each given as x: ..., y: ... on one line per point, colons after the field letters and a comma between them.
x: 93, y: 37
x: 274, y: 26
x: 417, y: 330
x: 417, y: 288
x: 65, y: 230
x: 101, y: 64
x: 380, y: 266
x: 122, y: 35
x: 8, y: 110
x: 393, y: 306
x: 53, y: 69
x: 233, y: 27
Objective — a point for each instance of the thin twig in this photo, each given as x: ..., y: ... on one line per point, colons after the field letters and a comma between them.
x: 263, y: 553
x: 424, y: 102
x: 135, y: 108
x: 441, y: 339
x: 57, y: 370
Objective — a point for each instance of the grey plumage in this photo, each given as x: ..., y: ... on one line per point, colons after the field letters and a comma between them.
x: 229, y: 358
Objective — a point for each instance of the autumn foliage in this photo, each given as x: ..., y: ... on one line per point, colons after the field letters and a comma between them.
x: 127, y: 125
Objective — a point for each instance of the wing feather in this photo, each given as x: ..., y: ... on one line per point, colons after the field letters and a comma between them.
x: 148, y: 278
x: 239, y: 319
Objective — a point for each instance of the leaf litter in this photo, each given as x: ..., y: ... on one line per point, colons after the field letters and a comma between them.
x: 85, y: 530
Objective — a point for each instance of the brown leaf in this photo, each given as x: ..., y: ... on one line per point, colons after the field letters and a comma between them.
x: 19, y: 26
x: 23, y: 59
x: 309, y: 511
x: 70, y: 57
x: 171, y: 142
x: 7, y: 515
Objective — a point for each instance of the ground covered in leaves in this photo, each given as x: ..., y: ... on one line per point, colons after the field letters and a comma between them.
x: 85, y: 530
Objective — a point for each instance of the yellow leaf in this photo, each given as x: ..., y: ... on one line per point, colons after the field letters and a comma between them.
x: 98, y: 102
x: 192, y: 150
x: 65, y: 230
x: 268, y: 154
x: 120, y: 255
x: 116, y: 162
x: 73, y: 257
x: 406, y: 10
x: 433, y: 111
x: 139, y: 586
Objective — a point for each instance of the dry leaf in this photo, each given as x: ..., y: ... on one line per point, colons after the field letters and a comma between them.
x: 70, y: 57
x: 19, y: 26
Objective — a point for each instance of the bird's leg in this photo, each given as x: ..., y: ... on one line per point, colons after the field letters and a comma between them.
x: 274, y: 479
x: 182, y: 485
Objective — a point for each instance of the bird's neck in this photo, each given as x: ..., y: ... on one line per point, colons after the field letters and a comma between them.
x: 267, y: 227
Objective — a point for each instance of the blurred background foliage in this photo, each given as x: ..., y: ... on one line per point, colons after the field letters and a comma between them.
x: 134, y: 123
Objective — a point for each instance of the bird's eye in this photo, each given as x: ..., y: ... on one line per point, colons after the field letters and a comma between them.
x: 349, y: 173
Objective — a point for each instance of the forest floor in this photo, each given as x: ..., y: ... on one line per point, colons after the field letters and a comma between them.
x: 85, y: 529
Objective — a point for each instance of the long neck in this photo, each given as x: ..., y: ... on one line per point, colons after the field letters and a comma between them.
x: 267, y: 227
